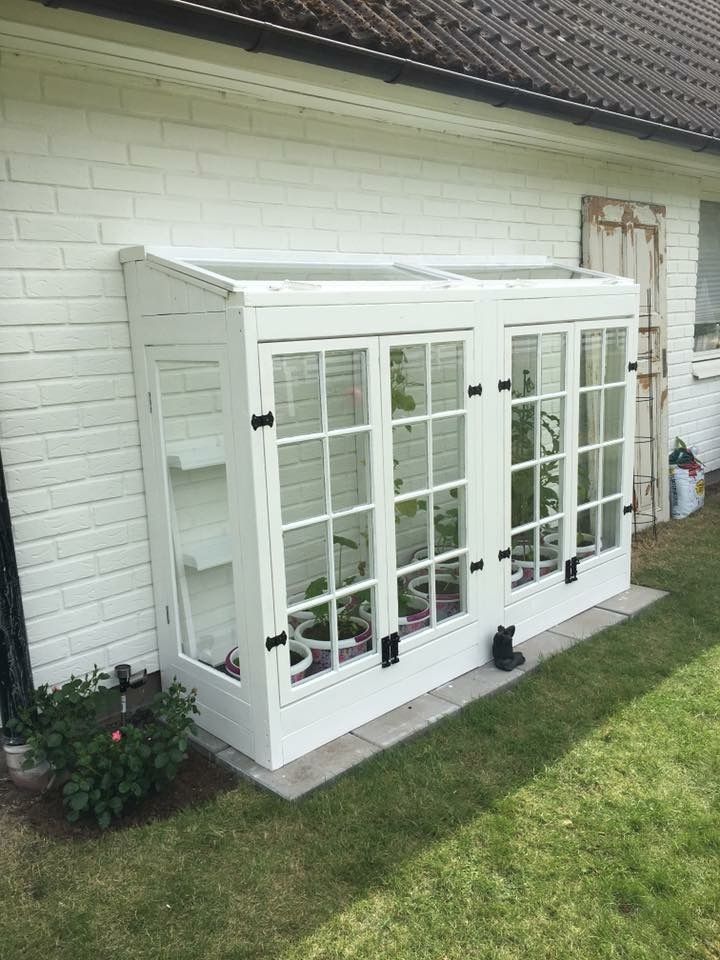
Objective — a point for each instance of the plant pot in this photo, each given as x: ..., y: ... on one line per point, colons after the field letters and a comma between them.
x: 548, y: 562
x: 299, y: 653
x: 347, y: 648
x: 35, y: 778
x: 516, y: 574
x: 417, y: 619
x: 300, y: 616
x: 447, y: 598
x: 585, y: 544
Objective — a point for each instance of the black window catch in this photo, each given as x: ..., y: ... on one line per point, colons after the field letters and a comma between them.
x: 628, y: 509
x: 571, y: 569
x: 264, y: 420
x: 504, y: 384
x: 475, y: 391
x: 632, y: 366
x: 279, y: 641
x: 389, y: 649
x: 504, y: 554
x: 476, y: 565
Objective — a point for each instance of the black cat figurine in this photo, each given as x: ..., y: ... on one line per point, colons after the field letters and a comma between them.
x: 503, y: 654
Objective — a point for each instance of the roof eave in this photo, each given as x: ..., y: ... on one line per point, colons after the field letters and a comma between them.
x: 257, y: 36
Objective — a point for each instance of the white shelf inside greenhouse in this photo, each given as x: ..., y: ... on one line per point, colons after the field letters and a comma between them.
x: 365, y: 410
x: 207, y: 554
x: 195, y: 454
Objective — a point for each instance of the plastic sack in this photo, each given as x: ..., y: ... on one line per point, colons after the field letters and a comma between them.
x: 687, y: 481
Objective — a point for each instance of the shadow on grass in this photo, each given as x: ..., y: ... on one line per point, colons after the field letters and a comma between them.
x: 253, y: 874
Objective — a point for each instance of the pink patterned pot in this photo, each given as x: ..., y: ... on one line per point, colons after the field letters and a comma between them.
x: 347, y: 649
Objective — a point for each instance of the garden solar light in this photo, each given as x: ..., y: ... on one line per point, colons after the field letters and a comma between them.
x: 127, y: 679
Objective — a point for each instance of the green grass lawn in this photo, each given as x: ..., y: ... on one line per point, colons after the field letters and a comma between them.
x: 577, y: 816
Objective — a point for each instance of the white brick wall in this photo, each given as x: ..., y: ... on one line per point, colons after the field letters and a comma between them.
x: 91, y: 160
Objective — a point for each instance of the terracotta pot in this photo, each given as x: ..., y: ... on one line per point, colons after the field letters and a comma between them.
x: 36, y: 777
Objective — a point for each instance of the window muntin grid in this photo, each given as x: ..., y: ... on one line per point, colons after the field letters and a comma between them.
x: 429, y: 432
x: 324, y: 440
x: 538, y: 454
x: 601, y: 439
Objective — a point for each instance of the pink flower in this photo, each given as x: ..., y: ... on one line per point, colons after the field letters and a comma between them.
x: 117, y: 736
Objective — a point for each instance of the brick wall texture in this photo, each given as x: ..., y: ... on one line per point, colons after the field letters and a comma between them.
x: 93, y: 160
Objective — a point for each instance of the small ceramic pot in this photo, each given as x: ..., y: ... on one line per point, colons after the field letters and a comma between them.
x: 547, y: 563
x: 448, y: 603
x: 419, y: 619
x: 347, y: 649
x: 35, y: 778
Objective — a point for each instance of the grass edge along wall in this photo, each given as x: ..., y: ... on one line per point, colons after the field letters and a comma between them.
x: 184, y: 312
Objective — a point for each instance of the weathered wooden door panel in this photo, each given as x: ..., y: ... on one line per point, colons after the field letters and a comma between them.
x: 628, y: 239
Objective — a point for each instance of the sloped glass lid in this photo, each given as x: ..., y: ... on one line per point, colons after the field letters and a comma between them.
x: 492, y: 272
x: 284, y: 271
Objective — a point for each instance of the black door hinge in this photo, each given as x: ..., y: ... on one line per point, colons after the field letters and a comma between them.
x: 475, y: 391
x: 632, y: 366
x: 476, y: 565
x: 265, y: 420
x: 279, y: 641
x: 504, y: 384
x: 628, y: 509
x: 571, y: 568
x: 389, y: 649
x: 504, y: 554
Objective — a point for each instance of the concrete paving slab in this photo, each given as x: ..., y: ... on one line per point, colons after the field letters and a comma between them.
x: 587, y: 623
x: 206, y: 743
x: 301, y: 776
x: 543, y: 645
x: 632, y: 601
x: 406, y: 721
x: 481, y: 682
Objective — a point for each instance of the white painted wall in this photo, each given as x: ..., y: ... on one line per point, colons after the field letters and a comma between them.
x: 94, y: 159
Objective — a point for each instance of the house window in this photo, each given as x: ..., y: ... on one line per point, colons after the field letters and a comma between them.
x: 707, y: 304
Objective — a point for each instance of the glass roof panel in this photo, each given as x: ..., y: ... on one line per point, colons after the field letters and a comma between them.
x: 264, y: 272
x: 524, y: 272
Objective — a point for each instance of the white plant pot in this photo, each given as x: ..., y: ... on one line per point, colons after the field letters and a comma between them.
x: 516, y: 573
x: 347, y: 649
x: 547, y: 563
x: 419, y: 619
x: 36, y: 778
x: 586, y: 550
x: 448, y: 604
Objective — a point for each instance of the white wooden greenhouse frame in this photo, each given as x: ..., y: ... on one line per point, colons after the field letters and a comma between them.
x: 455, y: 434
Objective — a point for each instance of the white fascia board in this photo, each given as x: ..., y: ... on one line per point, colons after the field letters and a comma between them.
x: 29, y: 26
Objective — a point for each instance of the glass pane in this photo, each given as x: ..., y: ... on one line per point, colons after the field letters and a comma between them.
x: 448, y: 436
x: 551, y: 499
x: 591, y: 358
x: 297, y: 394
x: 614, y: 413
x: 589, y: 428
x: 612, y: 470
x: 355, y: 626
x: 302, y: 480
x: 411, y: 530
x: 523, y: 558
x: 408, y: 381
x: 523, y: 418
x: 314, y: 634
x: 447, y: 370
x: 586, y: 532
x: 191, y: 405
x: 550, y: 558
x: 523, y: 496
x: 346, y: 388
x: 306, y: 562
x: 352, y: 546
x: 449, y: 518
x: 410, y: 457
x: 450, y: 593
x: 552, y: 426
x: 413, y: 610
x: 553, y: 362
x: 587, y: 484
x: 350, y: 470
x: 615, y: 353
x: 300, y: 657
x: 524, y: 366
x: 611, y: 515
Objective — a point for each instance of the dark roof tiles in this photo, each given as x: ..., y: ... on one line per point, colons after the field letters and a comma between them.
x: 656, y: 59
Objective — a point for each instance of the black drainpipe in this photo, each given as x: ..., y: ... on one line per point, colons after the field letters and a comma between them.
x: 257, y: 36
x: 16, y: 683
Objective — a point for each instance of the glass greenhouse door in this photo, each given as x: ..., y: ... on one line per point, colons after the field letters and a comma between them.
x: 370, y: 506
x: 567, y: 457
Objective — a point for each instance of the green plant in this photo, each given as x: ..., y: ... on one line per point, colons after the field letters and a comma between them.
x: 59, y: 720
x: 523, y: 450
x: 116, y: 768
